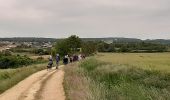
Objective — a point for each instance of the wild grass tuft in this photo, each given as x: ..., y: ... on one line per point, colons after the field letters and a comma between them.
x: 103, y: 81
x: 10, y: 77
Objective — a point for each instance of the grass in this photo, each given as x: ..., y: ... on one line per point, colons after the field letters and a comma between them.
x: 96, y: 80
x: 10, y: 77
x: 151, y: 61
x: 76, y: 85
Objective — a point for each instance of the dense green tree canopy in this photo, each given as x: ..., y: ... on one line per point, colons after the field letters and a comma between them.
x: 68, y: 45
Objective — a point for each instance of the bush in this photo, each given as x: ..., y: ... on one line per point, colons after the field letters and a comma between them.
x: 14, y: 61
x: 89, y: 48
x: 41, y: 51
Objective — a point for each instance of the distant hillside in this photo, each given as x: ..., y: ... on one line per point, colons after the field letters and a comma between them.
x: 28, y: 39
x: 128, y: 40
x: 107, y: 40
x: 160, y: 41
x: 110, y: 40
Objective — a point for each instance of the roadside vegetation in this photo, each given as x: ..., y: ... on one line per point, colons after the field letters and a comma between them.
x: 10, y: 77
x: 96, y: 80
x: 7, y: 60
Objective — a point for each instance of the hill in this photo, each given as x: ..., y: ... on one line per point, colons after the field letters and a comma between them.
x: 107, y: 40
x: 28, y: 39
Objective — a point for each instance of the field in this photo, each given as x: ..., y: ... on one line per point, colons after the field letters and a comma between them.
x: 128, y: 76
x: 151, y: 61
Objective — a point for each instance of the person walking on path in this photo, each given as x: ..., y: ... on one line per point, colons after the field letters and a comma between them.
x: 50, y: 63
x: 65, y: 60
x: 57, y: 60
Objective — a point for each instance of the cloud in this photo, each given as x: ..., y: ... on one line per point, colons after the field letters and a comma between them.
x: 86, y: 18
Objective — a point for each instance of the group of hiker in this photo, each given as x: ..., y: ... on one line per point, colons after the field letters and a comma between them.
x: 67, y: 59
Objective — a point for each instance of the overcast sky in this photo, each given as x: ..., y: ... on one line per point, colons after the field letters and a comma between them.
x: 86, y: 18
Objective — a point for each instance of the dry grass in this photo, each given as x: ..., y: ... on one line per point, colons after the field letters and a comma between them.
x: 75, y: 84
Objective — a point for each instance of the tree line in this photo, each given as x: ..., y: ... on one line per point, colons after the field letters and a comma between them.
x: 131, y: 47
x: 73, y: 44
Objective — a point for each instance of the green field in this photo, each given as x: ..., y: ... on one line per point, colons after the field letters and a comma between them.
x: 152, y: 61
x: 118, y: 76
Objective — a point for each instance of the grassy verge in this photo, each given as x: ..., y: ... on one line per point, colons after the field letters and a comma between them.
x: 94, y: 80
x: 10, y: 77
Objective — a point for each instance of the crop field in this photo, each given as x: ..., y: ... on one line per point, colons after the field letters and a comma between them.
x: 119, y: 76
x: 151, y: 61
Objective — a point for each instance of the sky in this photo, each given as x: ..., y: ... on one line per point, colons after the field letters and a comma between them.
x: 144, y: 19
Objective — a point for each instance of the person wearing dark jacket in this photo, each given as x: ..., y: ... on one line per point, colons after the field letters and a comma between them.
x: 57, y: 60
x: 65, y: 60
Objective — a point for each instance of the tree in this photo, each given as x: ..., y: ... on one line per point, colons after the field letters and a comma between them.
x: 88, y: 48
x: 124, y: 49
x: 62, y: 47
x: 74, y: 42
x: 69, y: 45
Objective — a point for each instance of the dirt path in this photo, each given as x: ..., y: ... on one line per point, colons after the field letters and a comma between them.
x: 43, y: 85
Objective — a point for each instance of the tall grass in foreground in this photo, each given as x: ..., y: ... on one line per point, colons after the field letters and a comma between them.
x: 94, y: 80
x: 10, y: 77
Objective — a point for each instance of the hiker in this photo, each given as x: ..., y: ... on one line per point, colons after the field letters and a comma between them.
x: 65, y: 60
x: 75, y: 58
x: 50, y: 63
x: 79, y: 57
x: 57, y: 60
x: 71, y: 59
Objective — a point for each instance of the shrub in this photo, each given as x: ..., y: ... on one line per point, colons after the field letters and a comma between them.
x: 14, y: 61
x: 40, y: 58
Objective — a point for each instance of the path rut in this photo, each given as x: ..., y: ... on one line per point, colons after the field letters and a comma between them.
x: 43, y: 85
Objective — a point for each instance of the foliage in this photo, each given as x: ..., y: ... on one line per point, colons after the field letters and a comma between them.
x: 73, y: 42
x: 62, y: 47
x: 131, y: 47
x: 104, y: 47
x: 13, y: 61
x: 41, y: 51
x: 69, y: 45
x: 88, y: 48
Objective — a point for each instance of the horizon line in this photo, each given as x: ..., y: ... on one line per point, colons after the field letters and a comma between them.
x: 92, y: 37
